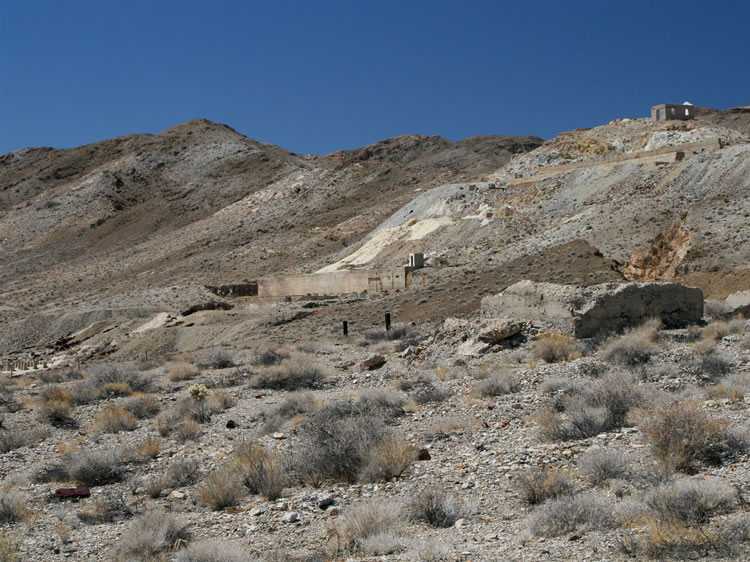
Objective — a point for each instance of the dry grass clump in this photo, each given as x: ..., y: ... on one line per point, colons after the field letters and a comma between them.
x: 716, y: 330
x: 681, y: 434
x: 13, y: 507
x: 390, y: 458
x: 261, y: 470
x: 9, y: 548
x: 713, y: 365
x: 59, y: 376
x: 340, y: 442
x: 213, y: 550
x: 295, y: 404
x: 151, y: 536
x: 424, y: 390
x: 496, y: 385
x: 182, y: 371
x: 55, y: 407
x: 367, y: 520
x: 600, y: 465
x: 554, y: 347
x: 602, y: 405
x: 536, y: 485
x: 635, y: 347
x: 267, y: 357
x: 109, y: 506
x: 299, y: 371
x: 221, y: 489
x: 142, y: 406
x: 95, y: 467
x: 437, y: 508
x: 565, y: 514
x: 150, y: 448
x: 114, y: 419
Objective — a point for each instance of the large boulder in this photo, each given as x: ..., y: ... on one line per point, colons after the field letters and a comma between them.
x: 598, y: 309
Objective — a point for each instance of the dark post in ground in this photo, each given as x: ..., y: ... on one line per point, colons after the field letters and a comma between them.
x: 387, y: 321
x: 346, y: 328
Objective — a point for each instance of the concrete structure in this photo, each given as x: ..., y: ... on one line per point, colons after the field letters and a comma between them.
x: 585, y: 312
x: 671, y: 111
x: 337, y: 282
x: 416, y: 261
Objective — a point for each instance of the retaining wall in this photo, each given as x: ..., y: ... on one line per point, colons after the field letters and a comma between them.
x: 338, y: 282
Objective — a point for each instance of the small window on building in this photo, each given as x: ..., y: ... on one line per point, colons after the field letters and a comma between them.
x: 687, y: 112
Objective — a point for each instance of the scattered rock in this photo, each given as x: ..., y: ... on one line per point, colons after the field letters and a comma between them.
x: 373, y: 362
x: 290, y: 517
x: 423, y: 455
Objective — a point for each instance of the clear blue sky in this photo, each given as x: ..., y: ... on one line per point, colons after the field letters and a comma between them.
x: 318, y: 76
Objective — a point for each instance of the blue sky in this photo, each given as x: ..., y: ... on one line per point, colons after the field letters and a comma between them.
x: 318, y: 76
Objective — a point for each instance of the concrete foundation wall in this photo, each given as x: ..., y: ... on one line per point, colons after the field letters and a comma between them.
x: 339, y: 282
x: 589, y: 311
x: 672, y: 112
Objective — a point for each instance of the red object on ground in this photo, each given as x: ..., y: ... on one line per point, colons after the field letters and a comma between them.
x: 79, y: 492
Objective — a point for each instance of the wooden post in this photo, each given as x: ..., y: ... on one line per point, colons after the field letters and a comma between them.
x: 78, y: 363
x: 387, y: 321
x: 346, y: 328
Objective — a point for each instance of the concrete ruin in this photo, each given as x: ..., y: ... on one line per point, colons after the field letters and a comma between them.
x: 586, y: 312
x: 672, y: 112
x: 341, y: 282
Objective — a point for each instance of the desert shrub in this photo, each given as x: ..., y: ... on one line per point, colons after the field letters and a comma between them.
x: 142, y: 407
x: 599, y: 465
x: 437, y: 508
x: 385, y: 402
x: 299, y: 371
x: 680, y: 434
x: 152, y: 535
x: 602, y: 405
x: 496, y: 385
x: 213, y: 550
x: 114, y: 419
x: 390, y: 458
x: 219, y: 359
x: 714, y: 365
x: 397, y: 332
x: 536, y: 485
x: 10, y: 440
x: 565, y: 514
x: 49, y: 472
x: 746, y: 341
x: 114, y: 390
x: 295, y: 404
x: 736, y: 325
x: 267, y: 358
x: 716, y: 330
x: 95, y: 467
x: 9, y: 548
x: 82, y: 393
x: 563, y: 385
x: 691, y: 501
x: 12, y: 507
x: 57, y: 413
x: 424, y: 390
x: 221, y: 489
x: 183, y: 472
x: 261, y: 470
x: 187, y: 430
x: 369, y: 519
x: 59, y: 376
x: 716, y: 309
x: 106, y: 375
x: 382, y: 544
x: 693, y: 332
x: 554, y: 347
x: 635, y: 347
x: 182, y: 371
x: 337, y: 441
x: 109, y: 506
